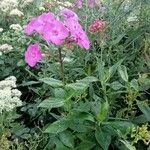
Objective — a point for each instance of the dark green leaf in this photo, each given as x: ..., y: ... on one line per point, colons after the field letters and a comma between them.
x: 78, y: 88
x: 60, y: 145
x: 85, y: 145
x: 52, y: 82
x: 67, y: 138
x: 128, y: 145
x: 52, y: 102
x: 113, y: 69
x: 103, y: 138
x: 101, y: 116
x: 123, y: 72
x: 88, y: 79
x: 57, y: 126
x: 134, y: 84
x: 29, y: 83
x: 145, y: 109
x: 123, y: 126
x: 116, y: 85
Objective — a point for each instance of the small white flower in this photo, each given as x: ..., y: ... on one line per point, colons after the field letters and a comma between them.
x: 5, y: 48
x: 1, y: 29
x: 16, y: 12
x: 26, y: 2
x: 16, y: 93
x: 132, y: 18
x: 16, y: 27
x: 41, y: 8
x: 11, y: 78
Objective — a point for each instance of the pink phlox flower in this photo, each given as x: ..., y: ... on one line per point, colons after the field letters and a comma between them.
x: 37, y: 24
x: 82, y: 39
x: 91, y: 3
x: 52, y: 30
x: 55, y: 32
x: 33, y: 55
x: 79, y: 4
x: 68, y: 14
x: 77, y: 34
x: 31, y: 26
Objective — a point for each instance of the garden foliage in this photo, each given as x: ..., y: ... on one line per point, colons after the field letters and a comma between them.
x: 75, y: 75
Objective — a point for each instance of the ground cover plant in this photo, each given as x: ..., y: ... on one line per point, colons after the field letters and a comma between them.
x: 74, y: 75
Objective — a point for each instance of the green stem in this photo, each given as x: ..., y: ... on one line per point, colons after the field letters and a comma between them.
x: 61, y: 65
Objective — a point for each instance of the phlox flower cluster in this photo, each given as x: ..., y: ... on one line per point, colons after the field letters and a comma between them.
x: 9, y: 95
x: 51, y: 29
x: 55, y: 31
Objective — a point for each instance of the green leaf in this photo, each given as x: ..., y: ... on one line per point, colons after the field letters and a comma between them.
x: 86, y: 145
x: 60, y: 145
x: 57, y: 126
x: 123, y: 126
x: 145, y: 109
x: 67, y: 139
x: 139, y: 119
x: 118, y: 39
x: 128, y: 145
x: 103, y: 138
x: 59, y: 92
x: 52, y: 102
x: 134, y: 84
x: 101, y: 116
x: 29, y: 83
x: 88, y: 79
x: 112, y: 70
x: 82, y: 116
x: 52, y: 82
x: 77, y: 87
x: 123, y: 73
x: 101, y: 71
x: 116, y: 85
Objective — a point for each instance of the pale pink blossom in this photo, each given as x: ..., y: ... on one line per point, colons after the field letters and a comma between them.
x: 33, y: 55
x: 68, y: 14
x: 79, y: 4
x: 91, y: 3
x: 37, y: 24
x: 55, y: 32
x: 78, y: 35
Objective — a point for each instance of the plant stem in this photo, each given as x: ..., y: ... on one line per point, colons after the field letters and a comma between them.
x: 61, y: 65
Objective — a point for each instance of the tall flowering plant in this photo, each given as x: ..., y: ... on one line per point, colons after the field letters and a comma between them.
x: 55, y: 31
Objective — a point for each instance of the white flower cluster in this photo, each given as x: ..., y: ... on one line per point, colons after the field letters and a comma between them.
x: 15, y: 27
x: 26, y: 2
x: 6, y: 5
x: 16, y: 12
x: 9, y: 95
x: 5, y: 48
